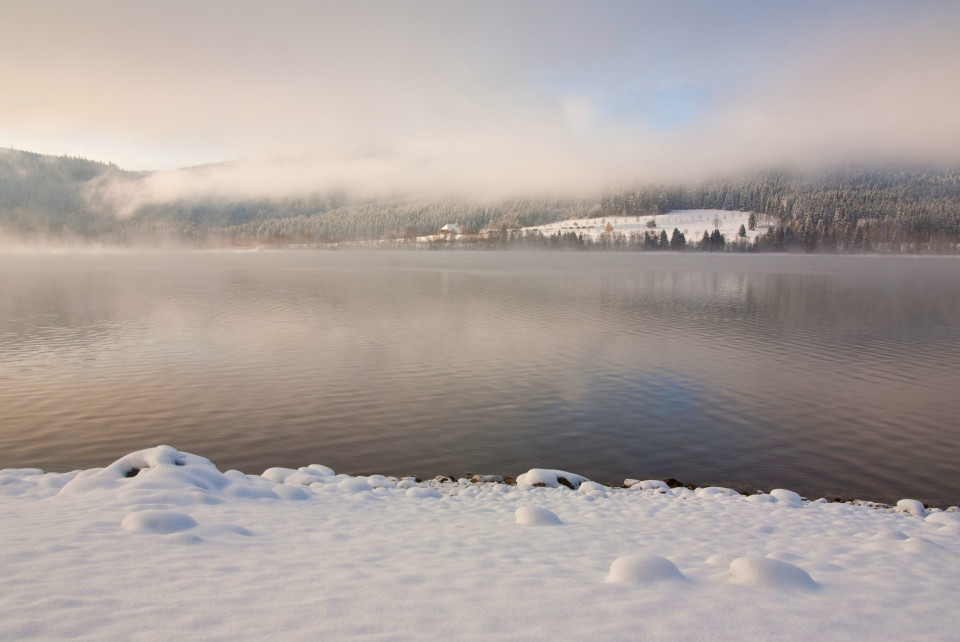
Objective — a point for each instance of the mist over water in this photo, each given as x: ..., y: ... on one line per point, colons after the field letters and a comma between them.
x: 832, y: 376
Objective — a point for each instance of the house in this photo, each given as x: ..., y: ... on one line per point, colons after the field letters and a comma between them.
x: 450, y: 229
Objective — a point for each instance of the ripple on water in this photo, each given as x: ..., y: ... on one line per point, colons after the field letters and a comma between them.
x: 815, y: 374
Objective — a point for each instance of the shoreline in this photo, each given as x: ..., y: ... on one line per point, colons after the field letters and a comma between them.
x: 442, y: 480
x: 671, y: 482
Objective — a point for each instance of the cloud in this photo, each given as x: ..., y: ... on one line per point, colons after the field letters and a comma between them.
x: 880, y: 93
x: 489, y: 100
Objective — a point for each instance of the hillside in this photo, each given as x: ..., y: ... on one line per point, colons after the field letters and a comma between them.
x: 887, y: 209
x: 58, y: 198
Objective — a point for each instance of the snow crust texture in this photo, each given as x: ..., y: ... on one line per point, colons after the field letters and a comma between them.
x: 162, y: 544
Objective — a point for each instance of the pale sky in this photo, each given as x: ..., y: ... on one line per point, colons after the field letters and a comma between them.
x: 484, y: 96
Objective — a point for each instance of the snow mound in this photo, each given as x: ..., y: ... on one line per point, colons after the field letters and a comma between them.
x: 278, y: 474
x: 644, y: 569
x: 788, y: 497
x: 944, y: 518
x: 300, y: 476
x: 160, y: 522
x: 354, y: 485
x: 925, y: 548
x: 762, y: 498
x: 715, y: 491
x: 911, y: 506
x: 305, y: 477
x: 550, y: 478
x: 250, y: 491
x: 164, y: 475
x: 325, y: 471
x: 159, y: 468
x: 593, y: 489
x: 765, y: 572
x: 536, y: 516
x: 720, y: 560
x: 293, y: 493
x: 653, y: 484
x: 379, y: 481
x: 421, y: 492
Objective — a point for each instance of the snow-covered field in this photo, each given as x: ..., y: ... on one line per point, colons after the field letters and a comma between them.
x: 162, y: 545
x: 693, y: 223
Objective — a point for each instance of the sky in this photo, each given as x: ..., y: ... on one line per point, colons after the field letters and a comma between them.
x: 486, y: 97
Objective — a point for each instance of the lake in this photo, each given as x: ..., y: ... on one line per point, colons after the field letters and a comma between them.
x: 835, y: 376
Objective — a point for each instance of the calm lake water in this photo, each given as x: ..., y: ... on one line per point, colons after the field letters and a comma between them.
x: 831, y: 376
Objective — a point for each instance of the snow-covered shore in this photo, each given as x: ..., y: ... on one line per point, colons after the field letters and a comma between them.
x: 162, y: 545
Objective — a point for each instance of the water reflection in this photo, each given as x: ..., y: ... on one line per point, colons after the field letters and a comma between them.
x: 829, y: 375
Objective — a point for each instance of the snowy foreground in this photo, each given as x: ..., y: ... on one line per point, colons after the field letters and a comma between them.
x: 162, y: 545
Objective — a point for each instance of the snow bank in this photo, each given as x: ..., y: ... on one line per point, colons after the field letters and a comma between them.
x: 310, y: 553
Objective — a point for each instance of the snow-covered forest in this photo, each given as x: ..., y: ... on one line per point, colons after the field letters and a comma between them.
x: 885, y: 209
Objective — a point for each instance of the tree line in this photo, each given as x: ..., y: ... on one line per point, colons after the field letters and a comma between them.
x: 878, y: 209
x: 858, y: 209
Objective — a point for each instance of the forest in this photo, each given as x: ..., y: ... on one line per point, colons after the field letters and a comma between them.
x: 861, y: 209
x: 890, y: 209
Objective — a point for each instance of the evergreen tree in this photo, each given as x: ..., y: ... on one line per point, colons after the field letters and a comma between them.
x: 677, y: 240
x: 717, y: 241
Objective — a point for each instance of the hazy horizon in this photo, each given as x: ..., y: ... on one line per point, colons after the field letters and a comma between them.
x: 497, y: 100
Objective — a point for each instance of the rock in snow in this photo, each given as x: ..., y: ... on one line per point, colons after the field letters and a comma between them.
x: 550, y: 478
x: 911, y: 506
x: 593, y: 489
x: 653, y: 484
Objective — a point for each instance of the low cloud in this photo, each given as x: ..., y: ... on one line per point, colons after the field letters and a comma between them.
x: 379, y: 99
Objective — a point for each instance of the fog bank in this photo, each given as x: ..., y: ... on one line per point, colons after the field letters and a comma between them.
x: 490, y: 101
